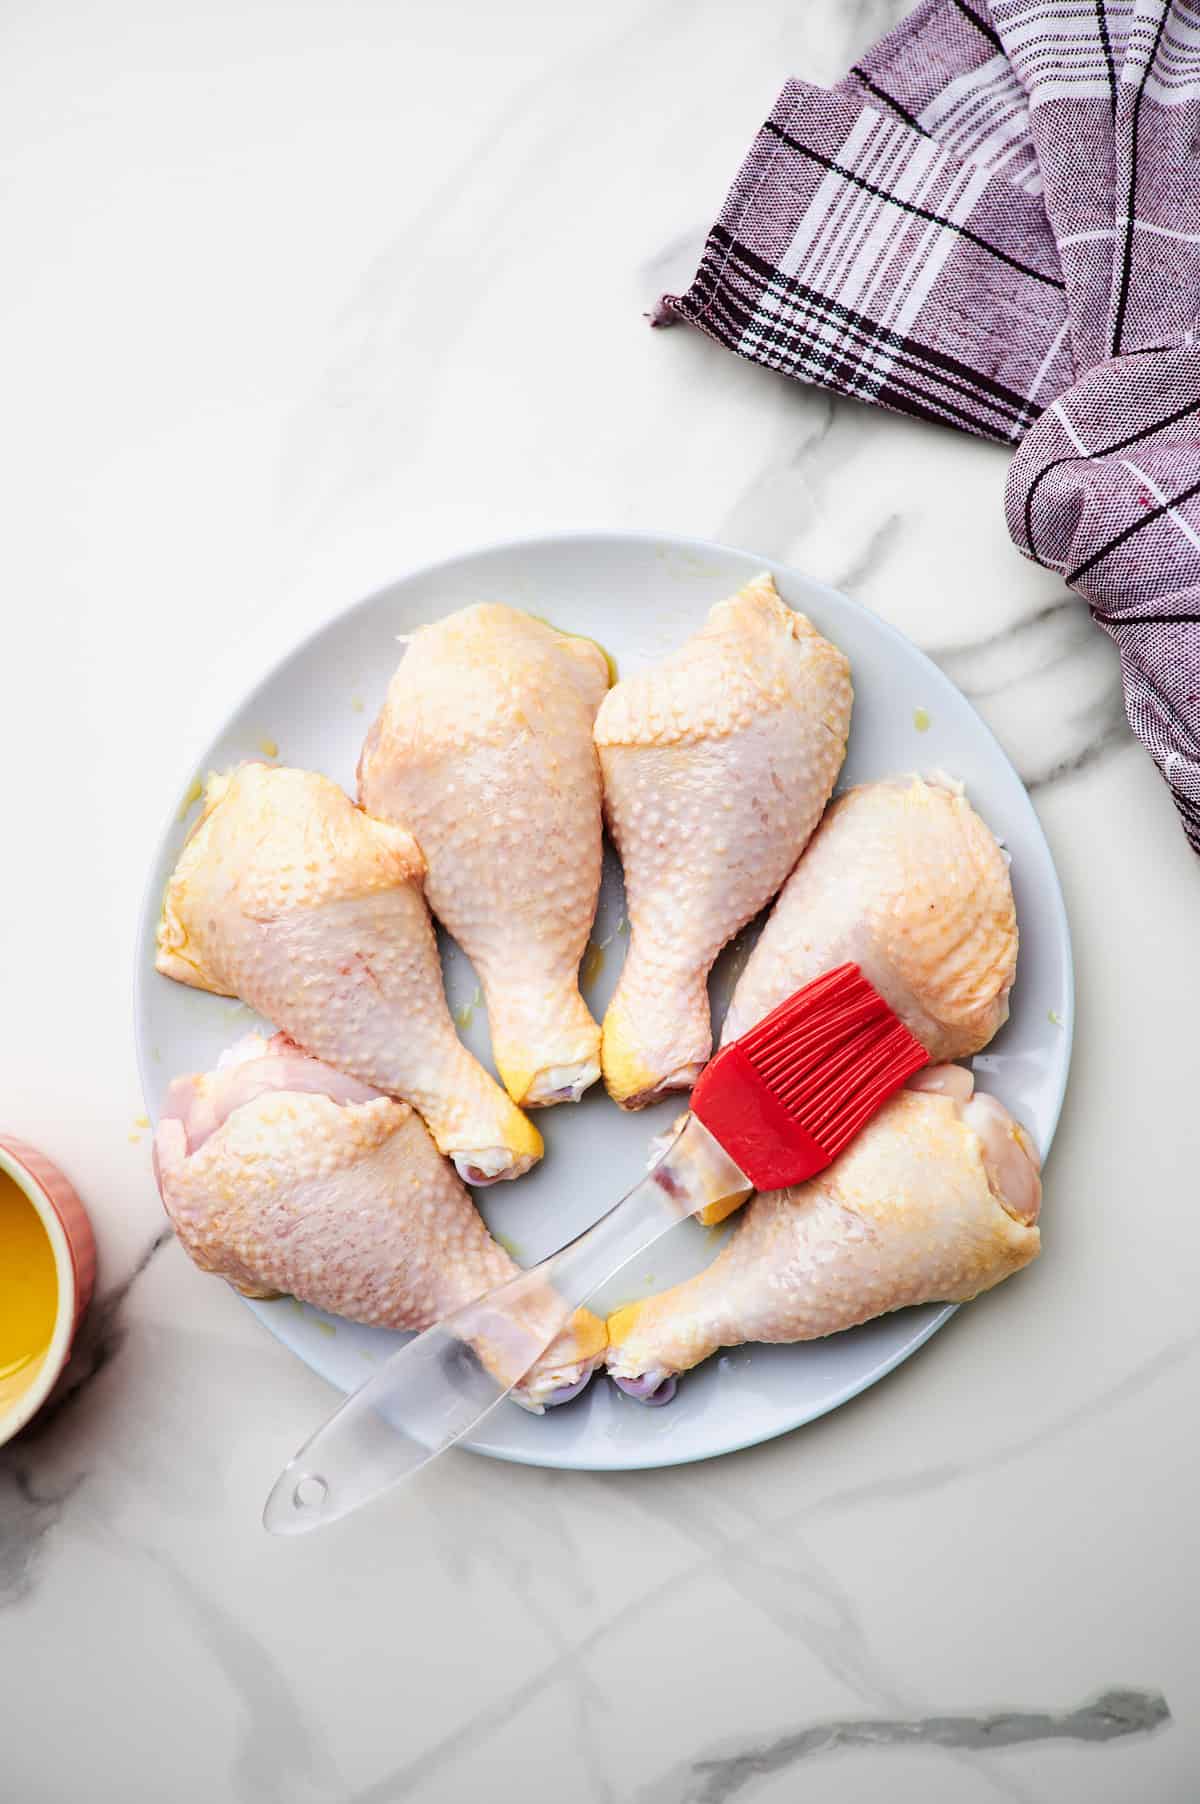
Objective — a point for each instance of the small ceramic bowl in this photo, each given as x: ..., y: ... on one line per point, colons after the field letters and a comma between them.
x: 70, y: 1235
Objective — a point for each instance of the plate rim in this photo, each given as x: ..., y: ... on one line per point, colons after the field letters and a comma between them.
x: 567, y: 1460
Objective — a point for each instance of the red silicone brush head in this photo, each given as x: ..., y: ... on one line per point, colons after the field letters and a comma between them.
x: 786, y: 1098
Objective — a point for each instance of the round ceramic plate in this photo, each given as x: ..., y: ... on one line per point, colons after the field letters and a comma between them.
x: 640, y: 597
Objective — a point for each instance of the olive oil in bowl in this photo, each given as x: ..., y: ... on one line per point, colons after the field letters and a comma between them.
x: 28, y: 1293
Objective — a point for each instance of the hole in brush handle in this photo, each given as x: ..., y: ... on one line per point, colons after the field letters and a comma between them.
x: 310, y: 1493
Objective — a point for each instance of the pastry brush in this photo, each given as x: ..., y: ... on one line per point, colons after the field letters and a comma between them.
x: 770, y: 1110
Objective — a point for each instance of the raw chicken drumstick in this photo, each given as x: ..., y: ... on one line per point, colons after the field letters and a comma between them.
x: 904, y: 878
x: 288, y: 896
x: 717, y: 764
x: 936, y: 1200
x: 484, y: 751
x: 282, y: 1175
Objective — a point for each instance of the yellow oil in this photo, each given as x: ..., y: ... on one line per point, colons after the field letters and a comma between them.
x: 28, y: 1292
x: 613, y: 672
x: 195, y: 791
x: 593, y: 963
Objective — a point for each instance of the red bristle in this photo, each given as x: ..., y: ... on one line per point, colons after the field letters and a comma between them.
x: 890, y: 1064
x: 790, y: 1095
x: 840, y: 1053
x: 832, y: 1054
x: 804, y: 1042
x: 841, y: 997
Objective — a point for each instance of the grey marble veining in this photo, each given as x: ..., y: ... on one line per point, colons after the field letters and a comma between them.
x: 717, y: 1778
x: 27, y: 1515
x: 280, y: 1756
x: 871, y: 557
x: 31, y: 1505
x: 99, y: 1340
x: 1055, y: 1432
x: 764, y: 1559
x: 1055, y: 655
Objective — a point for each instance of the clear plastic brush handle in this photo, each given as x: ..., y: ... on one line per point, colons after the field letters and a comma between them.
x: 437, y: 1388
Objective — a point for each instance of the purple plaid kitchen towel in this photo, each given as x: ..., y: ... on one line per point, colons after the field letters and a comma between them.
x: 994, y: 221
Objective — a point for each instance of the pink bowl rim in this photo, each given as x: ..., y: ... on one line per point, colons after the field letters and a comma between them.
x: 31, y: 1400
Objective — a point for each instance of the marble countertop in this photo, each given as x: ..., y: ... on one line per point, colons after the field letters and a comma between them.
x: 299, y: 297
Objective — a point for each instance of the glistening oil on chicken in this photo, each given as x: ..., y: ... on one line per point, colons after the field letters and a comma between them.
x: 484, y: 752
x: 717, y: 763
x: 312, y: 913
x: 936, y: 1201
x: 284, y: 1176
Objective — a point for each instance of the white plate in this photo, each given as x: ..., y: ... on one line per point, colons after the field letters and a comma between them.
x: 640, y: 597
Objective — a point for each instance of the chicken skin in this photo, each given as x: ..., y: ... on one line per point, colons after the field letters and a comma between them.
x: 903, y: 878
x: 283, y: 1175
x: 717, y: 764
x: 484, y: 751
x: 935, y: 1201
x: 293, y: 899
